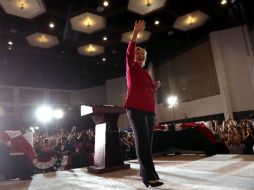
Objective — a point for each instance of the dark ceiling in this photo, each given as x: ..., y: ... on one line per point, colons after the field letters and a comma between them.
x: 62, y: 67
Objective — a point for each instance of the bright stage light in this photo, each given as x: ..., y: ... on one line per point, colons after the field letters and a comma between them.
x: 105, y: 3
x: 172, y: 101
x: 105, y: 38
x: 223, y: 2
x: 58, y: 114
x: 51, y: 25
x: 44, y: 114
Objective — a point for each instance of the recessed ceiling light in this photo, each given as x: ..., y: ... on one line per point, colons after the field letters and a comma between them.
x: 51, y: 25
x: 171, y: 32
x: 103, y: 59
x: 156, y: 22
x: 10, y: 43
x: 105, y: 3
x: 100, y: 9
x: 223, y: 2
x: 105, y: 38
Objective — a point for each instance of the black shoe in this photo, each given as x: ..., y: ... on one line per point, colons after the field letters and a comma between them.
x: 154, y: 176
x: 153, y: 183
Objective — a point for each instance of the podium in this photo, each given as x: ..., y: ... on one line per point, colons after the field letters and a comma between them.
x: 107, y: 151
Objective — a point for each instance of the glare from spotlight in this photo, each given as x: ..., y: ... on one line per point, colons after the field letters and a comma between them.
x: 58, y: 114
x: 10, y: 43
x: 105, y: 38
x: 44, y: 114
x: 105, y: 3
x: 172, y: 101
x: 157, y: 22
x: 103, y: 59
x: 51, y: 25
x: 37, y: 128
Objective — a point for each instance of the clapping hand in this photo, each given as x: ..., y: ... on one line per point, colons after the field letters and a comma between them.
x: 157, y: 84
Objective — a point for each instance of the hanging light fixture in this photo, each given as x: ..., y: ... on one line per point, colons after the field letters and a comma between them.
x: 87, y: 22
x: 43, y: 39
x: 91, y: 49
x: 148, y: 3
x: 190, y: 20
x: 21, y: 5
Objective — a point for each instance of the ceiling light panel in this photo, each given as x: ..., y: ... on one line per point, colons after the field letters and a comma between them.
x: 42, y: 40
x: 91, y: 50
x: 88, y: 22
x: 143, y: 7
x: 190, y: 21
x: 143, y: 36
x: 23, y: 8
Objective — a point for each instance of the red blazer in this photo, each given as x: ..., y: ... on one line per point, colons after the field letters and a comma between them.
x: 141, y: 88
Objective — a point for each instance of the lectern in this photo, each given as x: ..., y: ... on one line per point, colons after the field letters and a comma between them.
x: 107, y: 151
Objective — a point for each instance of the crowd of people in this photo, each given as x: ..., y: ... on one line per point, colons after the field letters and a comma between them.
x: 230, y: 136
x: 78, y: 145
x: 238, y: 137
x: 127, y: 144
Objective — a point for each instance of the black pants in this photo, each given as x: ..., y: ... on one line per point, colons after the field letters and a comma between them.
x: 4, y: 160
x: 142, y: 123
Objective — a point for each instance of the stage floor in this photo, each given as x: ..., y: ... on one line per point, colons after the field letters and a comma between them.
x: 183, y: 172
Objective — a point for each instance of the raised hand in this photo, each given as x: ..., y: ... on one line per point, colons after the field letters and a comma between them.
x: 139, y: 26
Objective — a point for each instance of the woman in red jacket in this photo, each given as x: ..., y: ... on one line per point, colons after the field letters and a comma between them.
x: 140, y: 105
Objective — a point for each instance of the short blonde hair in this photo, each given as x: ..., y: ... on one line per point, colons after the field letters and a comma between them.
x: 140, y: 48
